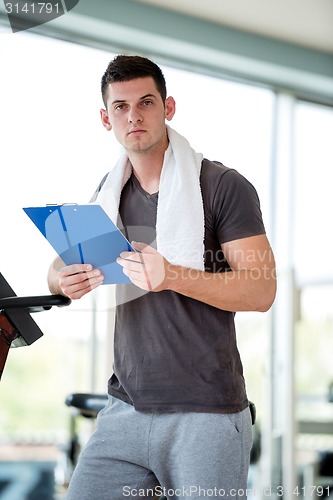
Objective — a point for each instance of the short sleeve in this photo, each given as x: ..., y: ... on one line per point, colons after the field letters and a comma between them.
x: 232, y: 206
x: 236, y: 208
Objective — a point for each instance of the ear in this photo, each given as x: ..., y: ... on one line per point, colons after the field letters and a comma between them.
x: 170, y: 108
x: 105, y: 119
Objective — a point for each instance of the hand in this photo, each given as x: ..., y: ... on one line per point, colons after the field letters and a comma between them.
x: 146, y: 268
x: 76, y: 280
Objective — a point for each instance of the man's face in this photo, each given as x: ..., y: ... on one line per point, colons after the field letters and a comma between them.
x: 136, y: 113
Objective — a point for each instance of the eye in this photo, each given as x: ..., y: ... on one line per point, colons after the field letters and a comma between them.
x: 147, y: 102
x: 120, y: 107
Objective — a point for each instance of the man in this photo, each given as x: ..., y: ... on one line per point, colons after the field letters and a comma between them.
x: 178, y: 420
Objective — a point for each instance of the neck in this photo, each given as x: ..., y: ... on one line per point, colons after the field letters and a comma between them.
x: 148, y: 174
x: 147, y: 168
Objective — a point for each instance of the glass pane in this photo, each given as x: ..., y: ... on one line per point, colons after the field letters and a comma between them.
x: 228, y: 122
x: 313, y: 194
x: 314, y: 272
x: 52, y: 151
x: 314, y: 349
x: 313, y: 368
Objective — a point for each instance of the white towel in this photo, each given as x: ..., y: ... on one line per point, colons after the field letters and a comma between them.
x: 180, y: 213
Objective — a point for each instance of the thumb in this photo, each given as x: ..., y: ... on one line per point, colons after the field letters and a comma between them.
x: 143, y: 247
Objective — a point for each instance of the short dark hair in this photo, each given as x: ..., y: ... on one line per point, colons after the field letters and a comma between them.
x: 125, y: 68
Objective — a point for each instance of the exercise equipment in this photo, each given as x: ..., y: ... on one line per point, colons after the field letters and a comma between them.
x: 17, y: 327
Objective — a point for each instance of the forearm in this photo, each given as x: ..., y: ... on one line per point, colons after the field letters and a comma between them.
x: 249, y: 286
x: 243, y: 290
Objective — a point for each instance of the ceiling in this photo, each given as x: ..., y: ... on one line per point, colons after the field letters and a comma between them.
x: 308, y: 23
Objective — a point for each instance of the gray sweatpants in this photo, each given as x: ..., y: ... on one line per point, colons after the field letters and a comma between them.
x: 135, y: 454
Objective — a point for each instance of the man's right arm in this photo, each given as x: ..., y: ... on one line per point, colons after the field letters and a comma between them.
x: 73, y: 281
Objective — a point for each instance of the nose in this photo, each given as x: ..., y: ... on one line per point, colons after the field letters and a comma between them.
x: 134, y: 116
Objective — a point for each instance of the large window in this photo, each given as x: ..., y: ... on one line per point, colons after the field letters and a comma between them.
x: 53, y: 150
x: 314, y: 267
x: 313, y: 193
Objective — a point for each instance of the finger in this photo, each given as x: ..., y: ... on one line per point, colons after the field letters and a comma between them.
x: 130, y: 266
x: 140, y: 279
x: 136, y: 271
x: 78, y: 275
x: 69, y: 277
x: 75, y: 269
x: 77, y: 288
x: 130, y: 257
x: 143, y: 247
x: 89, y: 283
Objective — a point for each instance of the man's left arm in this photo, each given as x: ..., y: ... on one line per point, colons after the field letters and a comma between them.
x: 250, y: 285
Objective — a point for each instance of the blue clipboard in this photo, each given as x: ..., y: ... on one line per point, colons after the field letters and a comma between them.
x: 83, y: 234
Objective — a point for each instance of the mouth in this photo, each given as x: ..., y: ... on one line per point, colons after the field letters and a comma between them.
x: 136, y: 131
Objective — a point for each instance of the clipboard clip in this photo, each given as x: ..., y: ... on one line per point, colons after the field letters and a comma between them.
x: 60, y: 204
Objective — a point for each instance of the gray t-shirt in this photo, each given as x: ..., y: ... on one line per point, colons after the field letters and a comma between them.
x: 171, y: 352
